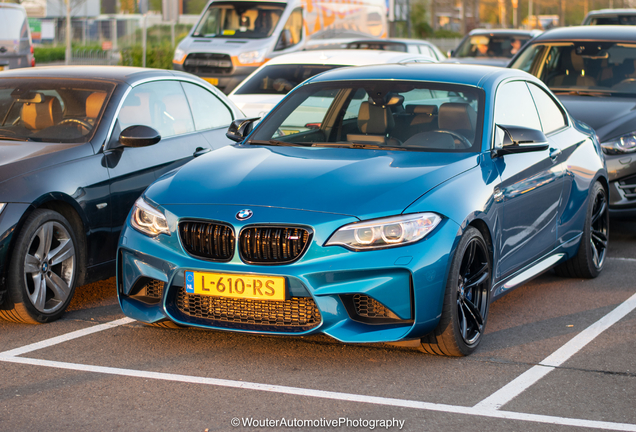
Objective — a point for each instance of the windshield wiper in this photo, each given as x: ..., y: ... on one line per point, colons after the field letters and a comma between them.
x: 360, y: 146
x: 278, y: 143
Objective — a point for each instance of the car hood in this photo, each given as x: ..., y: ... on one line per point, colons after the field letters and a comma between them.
x: 256, y: 105
x: 355, y: 182
x: 609, y: 116
x: 19, y: 157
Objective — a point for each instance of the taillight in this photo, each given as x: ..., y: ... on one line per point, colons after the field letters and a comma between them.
x: 32, y: 61
x: 31, y: 49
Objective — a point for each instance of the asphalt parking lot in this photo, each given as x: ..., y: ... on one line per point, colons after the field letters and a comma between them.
x: 559, y: 354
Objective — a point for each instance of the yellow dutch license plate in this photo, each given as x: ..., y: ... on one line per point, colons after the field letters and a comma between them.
x: 213, y: 81
x: 238, y: 286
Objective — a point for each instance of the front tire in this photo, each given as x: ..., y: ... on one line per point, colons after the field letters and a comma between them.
x: 590, y: 258
x: 43, y: 270
x: 466, y: 300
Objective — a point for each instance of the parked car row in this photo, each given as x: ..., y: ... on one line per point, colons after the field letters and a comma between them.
x: 389, y: 201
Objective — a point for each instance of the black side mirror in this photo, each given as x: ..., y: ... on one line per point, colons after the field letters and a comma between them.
x: 517, y: 139
x: 240, y: 129
x: 139, y: 136
x: 284, y: 41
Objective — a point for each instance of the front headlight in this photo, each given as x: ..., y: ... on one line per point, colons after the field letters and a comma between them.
x: 179, y: 56
x: 385, y: 232
x: 620, y: 145
x: 250, y: 57
x: 2, y: 206
x: 148, y: 219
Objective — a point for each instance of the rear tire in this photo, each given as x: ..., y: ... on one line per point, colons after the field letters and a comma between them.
x: 590, y: 258
x: 466, y: 300
x: 43, y: 270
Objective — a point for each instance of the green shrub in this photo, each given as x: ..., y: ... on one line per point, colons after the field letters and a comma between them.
x: 48, y: 54
x: 157, y: 56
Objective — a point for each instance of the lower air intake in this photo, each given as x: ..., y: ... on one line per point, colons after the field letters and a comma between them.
x: 297, y: 314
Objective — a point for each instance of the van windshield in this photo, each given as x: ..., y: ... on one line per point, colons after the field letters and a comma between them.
x: 238, y: 20
x: 12, y: 24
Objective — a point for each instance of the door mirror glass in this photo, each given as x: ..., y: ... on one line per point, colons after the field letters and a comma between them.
x: 139, y: 136
x: 518, y: 139
x: 240, y: 129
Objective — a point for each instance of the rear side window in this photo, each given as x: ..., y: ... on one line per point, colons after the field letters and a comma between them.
x: 208, y: 111
x: 551, y: 116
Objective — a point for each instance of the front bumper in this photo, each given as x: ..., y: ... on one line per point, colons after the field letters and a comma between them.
x: 622, y: 187
x: 409, y: 281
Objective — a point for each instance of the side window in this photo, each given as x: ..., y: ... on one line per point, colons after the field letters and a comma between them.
x: 208, y: 111
x: 160, y: 105
x: 295, y: 26
x: 552, y: 118
x: 514, y: 106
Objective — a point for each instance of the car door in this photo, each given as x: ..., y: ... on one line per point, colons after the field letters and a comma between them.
x: 531, y: 186
x: 163, y: 106
x: 211, y: 115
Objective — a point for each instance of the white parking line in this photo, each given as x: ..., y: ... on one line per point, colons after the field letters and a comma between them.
x: 346, y: 397
x: 489, y: 407
x: 65, y: 337
x: 557, y: 358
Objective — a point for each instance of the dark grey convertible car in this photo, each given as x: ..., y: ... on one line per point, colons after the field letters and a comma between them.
x: 592, y: 70
x: 74, y: 157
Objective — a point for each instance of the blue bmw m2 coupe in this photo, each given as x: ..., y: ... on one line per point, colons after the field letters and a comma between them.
x: 373, y: 204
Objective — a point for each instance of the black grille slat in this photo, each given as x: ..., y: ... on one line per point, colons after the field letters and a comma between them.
x: 208, y: 63
x: 273, y: 244
x: 295, y: 314
x: 209, y: 240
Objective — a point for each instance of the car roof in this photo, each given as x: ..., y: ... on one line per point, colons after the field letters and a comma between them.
x: 13, y: 6
x: 510, y: 32
x: 611, y: 12
x: 125, y: 74
x: 393, y: 40
x: 347, y: 57
x: 589, y: 33
x: 450, y: 73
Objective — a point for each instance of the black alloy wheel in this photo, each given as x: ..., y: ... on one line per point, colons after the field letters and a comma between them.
x: 590, y: 258
x: 466, y: 300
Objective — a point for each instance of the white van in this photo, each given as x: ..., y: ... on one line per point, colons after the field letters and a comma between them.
x: 16, y: 48
x: 233, y: 38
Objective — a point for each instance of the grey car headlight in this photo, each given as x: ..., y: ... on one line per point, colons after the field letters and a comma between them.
x: 621, y: 145
x: 148, y: 219
x: 385, y: 232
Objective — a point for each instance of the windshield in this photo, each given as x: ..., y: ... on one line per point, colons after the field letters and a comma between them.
x: 248, y: 20
x: 51, y: 110
x: 385, y: 46
x: 280, y: 79
x: 613, y: 20
x: 394, y: 115
x: 491, y: 46
x: 587, y: 66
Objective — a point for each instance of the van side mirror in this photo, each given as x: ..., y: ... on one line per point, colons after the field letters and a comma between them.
x: 139, y: 136
x: 240, y: 129
x: 284, y: 41
x: 517, y: 139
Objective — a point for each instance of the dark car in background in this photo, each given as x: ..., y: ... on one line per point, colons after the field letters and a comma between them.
x: 592, y: 70
x: 490, y: 47
x: 77, y: 147
x: 611, y: 17
x: 16, y: 48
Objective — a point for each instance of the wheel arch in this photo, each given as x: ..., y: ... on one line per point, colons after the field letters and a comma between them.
x: 72, y: 212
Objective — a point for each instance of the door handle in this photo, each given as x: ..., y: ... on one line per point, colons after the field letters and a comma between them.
x: 554, y: 152
x: 200, y: 151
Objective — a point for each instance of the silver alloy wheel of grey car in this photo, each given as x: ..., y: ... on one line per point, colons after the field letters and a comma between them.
x: 49, y: 267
